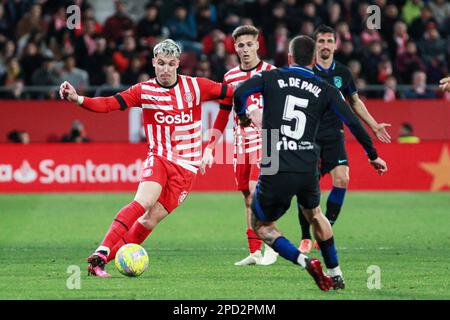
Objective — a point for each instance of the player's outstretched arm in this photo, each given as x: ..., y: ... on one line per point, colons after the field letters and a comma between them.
x: 211, y: 90
x: 98, y: 104
x: 338, y: 105
x: 379, y: 129
x: 444, y: 84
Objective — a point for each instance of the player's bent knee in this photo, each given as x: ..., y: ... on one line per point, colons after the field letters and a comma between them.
x: 147, y: 205
x: 313, y: 213
x: 341, y: 181
x: 147, y: 194
x: 340, y: 176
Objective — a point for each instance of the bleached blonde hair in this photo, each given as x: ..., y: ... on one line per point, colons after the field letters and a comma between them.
x: 167, y: 47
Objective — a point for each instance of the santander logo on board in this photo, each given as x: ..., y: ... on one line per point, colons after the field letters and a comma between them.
x: 25, y: 174
x: 48, y: 172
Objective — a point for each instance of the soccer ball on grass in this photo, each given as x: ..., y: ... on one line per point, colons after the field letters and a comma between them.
x: 131, y: 260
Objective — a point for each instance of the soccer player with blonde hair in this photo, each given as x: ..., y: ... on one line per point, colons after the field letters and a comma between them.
x: 171, y: 111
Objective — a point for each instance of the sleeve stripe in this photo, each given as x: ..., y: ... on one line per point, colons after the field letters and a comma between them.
x: 123, y: 104
x: 225, y: 106
x: 223, y: 92
x: 197, y: 91
x: 340, y: 116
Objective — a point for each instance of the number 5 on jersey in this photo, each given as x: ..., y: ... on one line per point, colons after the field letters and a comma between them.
x: 290, y: 113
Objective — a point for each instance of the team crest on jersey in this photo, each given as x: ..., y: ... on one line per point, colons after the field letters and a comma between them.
x: 337, y: 81
x: 182, y: 196
x: 188, y: 97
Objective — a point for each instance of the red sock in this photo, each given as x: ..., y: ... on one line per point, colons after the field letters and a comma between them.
x: 122, y: 223
x: 137, y: 234
x: 254, y: 242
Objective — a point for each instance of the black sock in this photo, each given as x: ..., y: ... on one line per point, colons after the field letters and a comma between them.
x: 333, y: 210
x: 334, y: 203
x: 304, y: 224
x: 329, y: 253
x: 103, y: 252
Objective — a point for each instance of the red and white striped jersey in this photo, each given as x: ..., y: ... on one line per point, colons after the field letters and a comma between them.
x: 246, y: 139
x: 172, y: 116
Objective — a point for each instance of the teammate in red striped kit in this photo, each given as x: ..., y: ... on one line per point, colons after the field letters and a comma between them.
x: 247, y: 140
x: 171, y: 110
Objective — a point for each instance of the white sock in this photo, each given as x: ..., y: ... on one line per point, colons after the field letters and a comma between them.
x: 335, y: 272
x: 302, y: 260
x: 103, y: 248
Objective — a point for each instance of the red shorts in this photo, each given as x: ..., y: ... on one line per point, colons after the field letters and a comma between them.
x: 246, y: 168
x: 176, y: 182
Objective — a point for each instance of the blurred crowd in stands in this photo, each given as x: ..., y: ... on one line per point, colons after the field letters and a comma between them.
x: 76, y: 134
x: 412, y: 47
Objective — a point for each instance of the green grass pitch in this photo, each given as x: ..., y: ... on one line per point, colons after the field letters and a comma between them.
x: 192, y: 252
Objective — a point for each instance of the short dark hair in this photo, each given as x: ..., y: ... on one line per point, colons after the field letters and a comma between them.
x: 245, y: 30
x: 13, y: 136
x: 68, y: 56
x: 150, y: 5
x: 302, y: 50
x: 324, y: 29
x: 407, y: 126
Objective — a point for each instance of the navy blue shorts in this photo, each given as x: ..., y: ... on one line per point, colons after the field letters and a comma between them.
x: 274, y: 193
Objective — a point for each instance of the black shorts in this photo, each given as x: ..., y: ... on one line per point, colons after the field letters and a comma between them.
x: 273, y: 194
x: 332, y: 154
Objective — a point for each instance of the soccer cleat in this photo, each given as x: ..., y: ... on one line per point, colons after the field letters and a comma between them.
x: 97, y: 262
x: 253, y: 258
x: 323, y: 281
x: 305, y: 246
x: 98, y: 271
x: 270, y: 256
x: 339, y: 282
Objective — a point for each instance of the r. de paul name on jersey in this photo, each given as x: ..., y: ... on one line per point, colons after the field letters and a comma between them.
x: 301, y: 84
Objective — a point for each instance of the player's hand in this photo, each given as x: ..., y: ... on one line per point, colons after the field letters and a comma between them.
x: 244, y: 121
x: 379, y: 165
x: 256, y: 117
x: 68, y: 92
x: 381, y: 132
x: 444, y: 84
x: 207, y: 160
